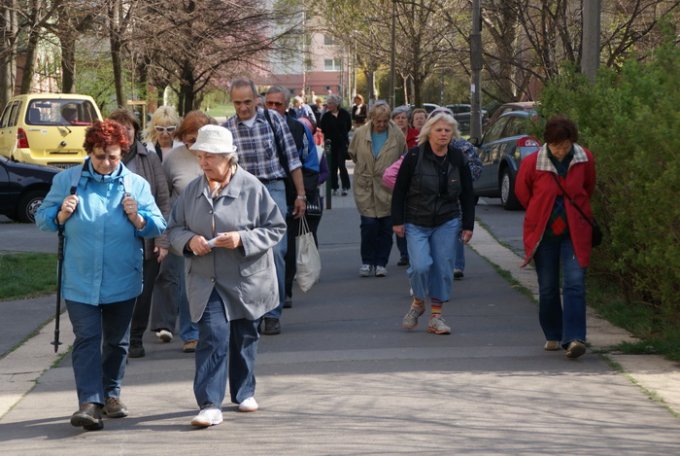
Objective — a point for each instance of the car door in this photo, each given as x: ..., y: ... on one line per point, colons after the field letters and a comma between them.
x: 489, y: 154
x: 8, y: 128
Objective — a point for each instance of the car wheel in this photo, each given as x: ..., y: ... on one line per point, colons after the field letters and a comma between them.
x: 507, y: 191
x: 28, y: 206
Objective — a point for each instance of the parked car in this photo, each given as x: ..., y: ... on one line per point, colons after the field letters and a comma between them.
x: 23, y: 187
x: 46, y: 128
x: 503, y: 146
x: 528, y: 106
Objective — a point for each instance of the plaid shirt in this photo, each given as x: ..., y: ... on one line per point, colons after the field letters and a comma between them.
x: 255, y: 146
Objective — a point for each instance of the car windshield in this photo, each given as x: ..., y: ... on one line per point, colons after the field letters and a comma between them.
x: 55, y: 112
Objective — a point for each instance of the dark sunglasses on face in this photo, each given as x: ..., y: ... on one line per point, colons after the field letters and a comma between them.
x: 168, y: 129
x: 274, y: 103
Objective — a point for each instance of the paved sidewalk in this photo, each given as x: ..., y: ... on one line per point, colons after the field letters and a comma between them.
x: 344, y: 378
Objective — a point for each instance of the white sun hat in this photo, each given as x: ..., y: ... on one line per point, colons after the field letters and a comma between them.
x: 214, y: 140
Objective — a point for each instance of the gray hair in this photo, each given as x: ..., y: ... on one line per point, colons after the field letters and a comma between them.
x: 242, y: 82
x: 400, y: 110
x: 379, y: 108
x: 334, y: 99
x: 282, y: 90
x: 424, y: 134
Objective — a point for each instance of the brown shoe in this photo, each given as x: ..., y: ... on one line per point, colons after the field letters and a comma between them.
x: 88, y: 417
x: 114, y: 408
x: 575, y: 349
x: 189, y: 346
x: 552, y: 345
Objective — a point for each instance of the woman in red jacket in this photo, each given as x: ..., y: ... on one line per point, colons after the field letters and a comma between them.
x: 556, y: 234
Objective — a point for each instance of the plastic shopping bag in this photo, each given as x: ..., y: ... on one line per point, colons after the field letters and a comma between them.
x: 307, y: 258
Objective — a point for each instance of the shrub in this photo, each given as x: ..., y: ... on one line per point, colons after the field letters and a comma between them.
x: 631, y: 122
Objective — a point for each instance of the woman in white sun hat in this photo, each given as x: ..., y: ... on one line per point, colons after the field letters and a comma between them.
x: 225, y: 224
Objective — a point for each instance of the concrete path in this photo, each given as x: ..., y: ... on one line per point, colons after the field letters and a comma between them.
x: 344, y: 378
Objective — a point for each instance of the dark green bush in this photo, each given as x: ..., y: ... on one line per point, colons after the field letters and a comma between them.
x: 631, y: 122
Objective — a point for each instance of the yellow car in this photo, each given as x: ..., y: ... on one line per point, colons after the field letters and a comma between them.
x: 47, y: 128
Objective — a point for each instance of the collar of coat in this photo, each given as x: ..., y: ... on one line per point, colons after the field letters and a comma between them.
x: 543, y: 162
x: 231, y: 190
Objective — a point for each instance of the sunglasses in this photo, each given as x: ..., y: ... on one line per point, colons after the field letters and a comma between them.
x: 169, y: 129
x: 274, y: 103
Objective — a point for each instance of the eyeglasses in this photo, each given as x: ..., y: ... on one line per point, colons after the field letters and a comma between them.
x: 168, y: 129
x: 274, y: 103
x: 102, y: 157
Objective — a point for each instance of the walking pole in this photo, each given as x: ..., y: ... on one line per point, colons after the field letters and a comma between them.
x: 329, y: 162
x: 60, y: 265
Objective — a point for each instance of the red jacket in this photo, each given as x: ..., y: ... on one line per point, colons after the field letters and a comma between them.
x: 536, y: 189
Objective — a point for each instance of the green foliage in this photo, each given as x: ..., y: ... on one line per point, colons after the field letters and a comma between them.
x: 631, y: 122
x: 23, y: 275
x: 94, y: 77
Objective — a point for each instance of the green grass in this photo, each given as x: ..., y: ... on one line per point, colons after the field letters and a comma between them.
x: 24, y: 275
x: 657, y: 335
x: 220, y: 110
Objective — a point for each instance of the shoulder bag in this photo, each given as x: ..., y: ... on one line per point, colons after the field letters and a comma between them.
x: 597, y: 231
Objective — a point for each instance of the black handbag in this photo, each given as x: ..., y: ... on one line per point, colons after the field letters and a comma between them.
x: 597, y: 231
x: 314, y: 204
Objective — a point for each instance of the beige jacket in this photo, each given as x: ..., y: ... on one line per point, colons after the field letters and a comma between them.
x: 372, y: 198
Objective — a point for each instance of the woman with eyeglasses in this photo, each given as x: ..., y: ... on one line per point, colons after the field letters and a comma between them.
x: 104, y: 211
x: 160, y: 133
x: 141, y: 161
x: 169, y: 298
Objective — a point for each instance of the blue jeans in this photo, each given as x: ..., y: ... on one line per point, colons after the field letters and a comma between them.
x: 460, y: 253
x: 225, y: 348
x: 100, y: 348
x: 563, y: 320
x: 277, y: 190
x: 376, y: 240
x: 431, y: 253
x: 170, y: 299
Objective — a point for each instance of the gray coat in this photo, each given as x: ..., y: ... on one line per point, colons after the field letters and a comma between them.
x: 245, y: 278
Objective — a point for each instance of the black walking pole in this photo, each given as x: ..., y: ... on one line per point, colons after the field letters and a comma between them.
x: 60, y: 265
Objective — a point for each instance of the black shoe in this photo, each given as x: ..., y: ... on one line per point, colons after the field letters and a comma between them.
x: 114, y: 408
x: 288, y: 303
x: 458, y: 274
x: 88, y: 417
x: 136, y: 350
x: 344, y: 192
x: 403, y: 261
x: 270, y: 326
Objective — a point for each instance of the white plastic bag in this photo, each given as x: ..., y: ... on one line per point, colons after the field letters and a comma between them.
x: 307, y: 258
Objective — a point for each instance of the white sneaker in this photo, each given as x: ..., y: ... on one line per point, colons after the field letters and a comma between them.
x: 365, y: 270
x: 380, y: 271
x: 164, y: 335
x: 249, y: 405
x: 207, y: 417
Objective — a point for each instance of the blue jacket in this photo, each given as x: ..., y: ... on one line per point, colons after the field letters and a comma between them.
x: 103, y: 251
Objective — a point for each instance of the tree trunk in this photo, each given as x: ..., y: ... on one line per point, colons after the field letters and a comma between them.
x: 8, y: 30
x: 68, y: 63
x: 29, y: 64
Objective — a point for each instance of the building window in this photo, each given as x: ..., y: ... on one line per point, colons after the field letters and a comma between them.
x: 328, y: 40
x: 332, y: 64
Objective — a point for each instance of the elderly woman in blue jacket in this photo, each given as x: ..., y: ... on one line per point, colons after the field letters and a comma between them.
x: 104, y: 211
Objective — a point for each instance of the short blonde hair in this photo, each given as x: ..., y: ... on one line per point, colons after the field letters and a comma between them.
x: 424, y: 134
x: 163, y: 116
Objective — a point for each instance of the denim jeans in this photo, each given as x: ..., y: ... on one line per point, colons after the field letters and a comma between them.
x: 100, y: 348
x: 277, y: 190
x: 460, y: 253
x: 225, y: 348
x: 563, y: 320
x: 170, y: 300
x: 376, y: 240
x: 401, y: 245
x: 431, y: 254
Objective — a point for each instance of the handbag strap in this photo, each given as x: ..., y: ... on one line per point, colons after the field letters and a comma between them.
x: 564, y: 192
x: 283, y: 159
